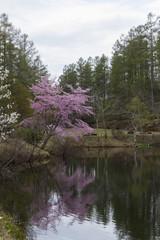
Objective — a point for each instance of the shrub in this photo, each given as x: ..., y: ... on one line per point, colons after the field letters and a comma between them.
x: 119, y: 134
x: 29, y: 135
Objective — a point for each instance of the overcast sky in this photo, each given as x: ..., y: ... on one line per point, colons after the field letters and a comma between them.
x: 65, y: 30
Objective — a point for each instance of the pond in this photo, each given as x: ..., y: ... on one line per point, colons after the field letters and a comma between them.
x: 104, y: 194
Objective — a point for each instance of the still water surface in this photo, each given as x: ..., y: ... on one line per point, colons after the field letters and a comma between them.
x: 104, y: 195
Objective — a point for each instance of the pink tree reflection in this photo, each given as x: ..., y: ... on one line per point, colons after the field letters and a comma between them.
x: 68, y: 199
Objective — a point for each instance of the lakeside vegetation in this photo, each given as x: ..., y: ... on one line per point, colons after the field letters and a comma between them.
x: 21, y: 151
x: 9, y: 229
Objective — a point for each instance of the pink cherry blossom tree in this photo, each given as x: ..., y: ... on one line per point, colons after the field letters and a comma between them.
x: 57, y: 112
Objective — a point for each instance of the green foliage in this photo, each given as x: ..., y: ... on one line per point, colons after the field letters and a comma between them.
x: 21, y: 95
x: 29, y: 135
x: 90, y: 73
x: 139, y: 111
x: 69, y: 77
x: 21, y: 59
x: 101, y: 76
x: 135, y: 65
x: 9, y: 228
x: 18, y: 54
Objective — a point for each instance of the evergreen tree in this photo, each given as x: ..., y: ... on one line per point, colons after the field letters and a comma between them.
x: 85, y: 73
x: 152, y: 29
x: 18, y: 54
x: 20, y: 58
x: 135, y: 65
x: 101, y: 76
x: 69, y: 76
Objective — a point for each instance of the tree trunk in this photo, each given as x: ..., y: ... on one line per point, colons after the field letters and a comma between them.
x: 105, y: 128
x: 97, y: 128
x: 135, y: 138
x: 152, y: 74
x: 142, y: 133
x: 104, y: 123
x: 45, y: 141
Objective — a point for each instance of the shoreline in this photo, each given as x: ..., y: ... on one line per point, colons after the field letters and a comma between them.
x: 9, y: 229
x: 43, y: 157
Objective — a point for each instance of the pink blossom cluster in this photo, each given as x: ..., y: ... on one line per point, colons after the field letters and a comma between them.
x: 58, y: 112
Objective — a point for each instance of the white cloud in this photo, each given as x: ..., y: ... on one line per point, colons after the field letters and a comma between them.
x: 65, y: 30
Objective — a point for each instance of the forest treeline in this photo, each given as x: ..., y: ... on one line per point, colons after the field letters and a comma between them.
x: 131, y: 78
x: 20, y: 58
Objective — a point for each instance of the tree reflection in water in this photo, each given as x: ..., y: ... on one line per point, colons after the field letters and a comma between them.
x: 68, y: 199
x: 119, y: 190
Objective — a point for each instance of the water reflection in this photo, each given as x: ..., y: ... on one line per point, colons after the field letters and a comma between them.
x: 118, y: 190
x: 128, y: 183
x: 67, y: 199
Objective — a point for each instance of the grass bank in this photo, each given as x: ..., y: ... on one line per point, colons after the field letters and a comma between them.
x: 9, y: 229
x: 119, y: 138
x: 16, y: 154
